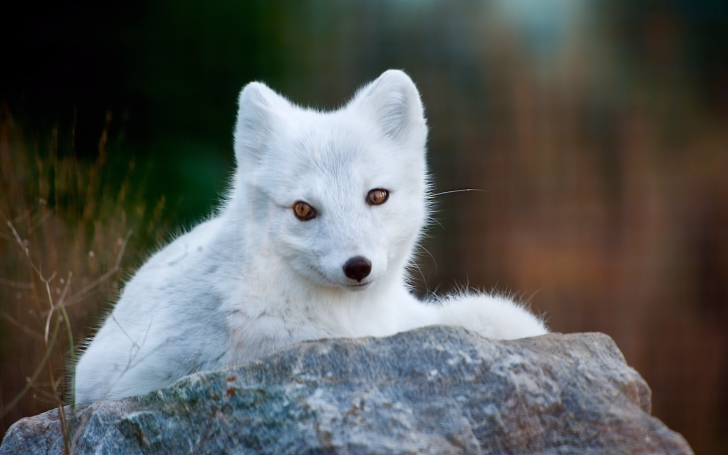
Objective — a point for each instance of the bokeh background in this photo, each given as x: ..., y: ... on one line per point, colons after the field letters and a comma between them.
x: 596, y: 132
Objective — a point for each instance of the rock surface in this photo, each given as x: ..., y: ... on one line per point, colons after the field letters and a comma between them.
x: 433, y: 390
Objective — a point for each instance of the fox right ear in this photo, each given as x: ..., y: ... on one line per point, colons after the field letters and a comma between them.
x: 258, y: 107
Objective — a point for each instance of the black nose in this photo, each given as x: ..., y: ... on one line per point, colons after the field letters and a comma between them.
x: 357, y: 268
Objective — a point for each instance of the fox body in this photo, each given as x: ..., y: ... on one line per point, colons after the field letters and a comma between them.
x: 313, y: 241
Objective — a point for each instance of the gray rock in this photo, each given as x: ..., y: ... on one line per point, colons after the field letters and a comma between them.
x: 433, y: 390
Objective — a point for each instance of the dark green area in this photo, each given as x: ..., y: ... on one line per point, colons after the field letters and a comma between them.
x: 169, y: 71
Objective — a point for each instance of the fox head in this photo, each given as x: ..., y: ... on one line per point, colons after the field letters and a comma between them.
x: 340, y: 197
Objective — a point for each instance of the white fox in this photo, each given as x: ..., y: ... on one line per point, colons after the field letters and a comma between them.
x: 313, y: 242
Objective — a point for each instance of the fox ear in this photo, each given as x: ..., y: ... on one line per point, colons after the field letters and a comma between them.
x: 393, y: 102
x: 257, y: 111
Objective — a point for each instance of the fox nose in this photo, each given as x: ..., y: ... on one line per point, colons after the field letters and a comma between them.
x: 357, y: 268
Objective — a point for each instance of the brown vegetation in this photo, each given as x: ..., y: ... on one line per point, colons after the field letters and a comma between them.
x: 63, y: 239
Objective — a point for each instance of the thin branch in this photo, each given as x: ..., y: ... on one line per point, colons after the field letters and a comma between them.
x: 47, y: 283
x: 42, y: 220
x: 25, y: 248
x: 28, y: 331
x: 16, y: 284
x: 117, y: 266
x: 31, y: 380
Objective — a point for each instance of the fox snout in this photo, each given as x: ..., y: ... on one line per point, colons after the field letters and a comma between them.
x: 357, y: 268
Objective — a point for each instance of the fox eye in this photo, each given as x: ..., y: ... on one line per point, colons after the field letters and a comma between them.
x: 303, y: 211
x: 377, y: 196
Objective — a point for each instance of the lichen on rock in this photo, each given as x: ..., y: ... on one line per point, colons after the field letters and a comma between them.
x: 432, y: 390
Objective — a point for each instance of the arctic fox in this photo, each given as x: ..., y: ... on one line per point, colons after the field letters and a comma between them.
x: 313, y: 241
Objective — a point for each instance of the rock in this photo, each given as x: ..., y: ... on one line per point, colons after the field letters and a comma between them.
x: 433, y: 390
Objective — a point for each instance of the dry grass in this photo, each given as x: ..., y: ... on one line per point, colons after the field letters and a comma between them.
x: 66, y: 233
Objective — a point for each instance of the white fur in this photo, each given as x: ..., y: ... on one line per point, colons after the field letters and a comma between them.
x: 255, y: 278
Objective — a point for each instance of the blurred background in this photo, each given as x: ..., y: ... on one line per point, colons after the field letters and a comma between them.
x: 597, y: 132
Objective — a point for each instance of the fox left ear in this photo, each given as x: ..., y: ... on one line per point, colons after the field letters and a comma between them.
x: 394, y: 104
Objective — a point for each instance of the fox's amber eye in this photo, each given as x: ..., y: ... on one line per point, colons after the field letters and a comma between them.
x: 377, y: 196
x: 303, y: 211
